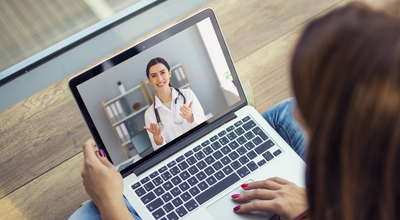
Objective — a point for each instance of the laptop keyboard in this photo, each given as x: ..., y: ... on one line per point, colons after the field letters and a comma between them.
x: 206, y: 170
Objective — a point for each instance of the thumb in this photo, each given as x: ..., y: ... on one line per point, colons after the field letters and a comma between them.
x: 103, y: 159
x: 190, y: 105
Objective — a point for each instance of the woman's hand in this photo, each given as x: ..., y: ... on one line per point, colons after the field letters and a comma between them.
x: 103, y: 183
x: 274, y: 195
x: 155, y: 129
x: 186, y: 112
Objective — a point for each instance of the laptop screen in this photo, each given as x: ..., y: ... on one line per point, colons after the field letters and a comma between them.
x: 116, y: 96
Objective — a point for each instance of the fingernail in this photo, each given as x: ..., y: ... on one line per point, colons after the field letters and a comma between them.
x: 102, y: 154
x: 236, y: 208
x: 244, y: 185
x: 235, y: 195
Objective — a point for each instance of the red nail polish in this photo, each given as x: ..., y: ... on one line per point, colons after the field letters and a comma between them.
x: 101, y: 153
x: 235, y: 196
x: 244, y: 185
x: 236, y: 208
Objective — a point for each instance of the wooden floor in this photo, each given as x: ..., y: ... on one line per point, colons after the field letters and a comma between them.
x: 41, y: 137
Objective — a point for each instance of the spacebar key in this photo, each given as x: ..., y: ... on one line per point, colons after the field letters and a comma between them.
x: 217, y: 188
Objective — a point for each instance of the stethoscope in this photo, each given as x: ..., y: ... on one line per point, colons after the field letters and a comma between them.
x: 176, y: 101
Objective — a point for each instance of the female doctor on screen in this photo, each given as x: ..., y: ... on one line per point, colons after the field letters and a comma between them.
x: 174, y: 111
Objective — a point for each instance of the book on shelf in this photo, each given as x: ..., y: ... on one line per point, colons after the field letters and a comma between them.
x: 120, y: 134
x: 114, y: 109
x: 111, y: 114
x: 128, y: 124
x: 178, y: 77
x: 184, y: 80
x: 125, y: 132
x: 120, y: 111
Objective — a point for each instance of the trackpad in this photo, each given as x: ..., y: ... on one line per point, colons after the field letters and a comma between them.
x: 223, y: 208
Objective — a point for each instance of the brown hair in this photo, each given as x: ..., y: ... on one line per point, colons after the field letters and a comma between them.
x: 346, y: 78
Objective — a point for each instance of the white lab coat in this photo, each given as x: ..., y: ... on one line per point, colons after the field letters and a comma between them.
x: 172, y: 130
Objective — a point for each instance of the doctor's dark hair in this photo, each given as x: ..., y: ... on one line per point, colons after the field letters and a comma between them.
x: 345, y: 72
x: 155, y: 61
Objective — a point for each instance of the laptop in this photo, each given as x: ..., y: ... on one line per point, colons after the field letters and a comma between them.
x: 194, y: 175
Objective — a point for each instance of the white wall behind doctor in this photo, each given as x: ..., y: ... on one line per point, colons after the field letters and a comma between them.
x: 187, y: 47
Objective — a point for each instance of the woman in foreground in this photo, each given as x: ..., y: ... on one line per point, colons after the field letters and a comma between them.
x: 346, y: 79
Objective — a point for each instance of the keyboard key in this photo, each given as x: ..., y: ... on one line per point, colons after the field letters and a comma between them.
x: 262, y: 162
x: 201, y: 176
x: 175, y: 170
x: 263, y: 147
x: 184, y: 186
x: 159, y: 213
x: 249, y: 145
x: 175, y: 192
x: 205, y: 143
x: 241, y: 140
x: 166, y: 176
x: 179, y: 159
x: 236, y: 165
x: 136, y: 185
x: 217, y: 188
x: 162, y: 169
x: 199, y: 155
x: 168, y: 207
x: 184, y: 175
x: 224, y: 140
x: 225, y: 150
x: 194, y: 191
x: 268, y: 156
x: 140, y: 192
x: 145, y: 180
x: 251, y: 155
x: 197, y: 148
x: 203, y: 185
x: 241, y: 150
x: 171, y: 164
x: 252, y: 166
x: 259, y: 132
x: 209, y: 160
x: 222, y: 133
x: 225, y: 160
x: 183, y: 165
x: 148, y: 197
x: 214, y: 138
x: 244, y: 159
x: 158, y: 191
x: 217, y: 155
x: 230, y: 128
x: 233, y: 155
x: 237, y: 124
x: 227, y: 170
x: 177, y: 202
x: 157, y: 181
x: 216, y: 145
x: 185, y: 196
x: 149, y: 186
x: 219, y: 175
x: 166, y: 197
x: 155, y: 204
x: 172, y: 216
x: 233, y: 145
x: 191, y: 205
x: 257, y: 141
x: 231, y: 135
x: 192, y: 181
x: 201, y: 165
x: 217, y: 165
x: 249, y: 125
x: 246, y: 118
x: 249, y: 135
x: 243, y: 172
x: 181, y: 211
x: 176, y: 180
x: 211, y: 180
x: 276, y: 153
x: 209, y: 170
x: 193, y: 170
x: 154, y: 174
x: 189, y: 153
x: 208, y: 150
x: 191, y: 160
x: 239, y: 131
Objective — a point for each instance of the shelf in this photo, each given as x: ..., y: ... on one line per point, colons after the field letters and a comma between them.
x: 184, y: 86
x: 122, y: 95
x: 131, y: 115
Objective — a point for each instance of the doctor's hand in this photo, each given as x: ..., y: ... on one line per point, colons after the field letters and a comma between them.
x: 186, y: 112
x: 274, y: 195
x: 155, y: 129
x: 103, y: 183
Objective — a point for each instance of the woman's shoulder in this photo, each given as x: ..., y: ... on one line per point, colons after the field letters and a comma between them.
x: 149, y: 110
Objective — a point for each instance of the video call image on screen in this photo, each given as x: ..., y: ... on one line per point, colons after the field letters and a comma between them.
x: 118, y: 99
